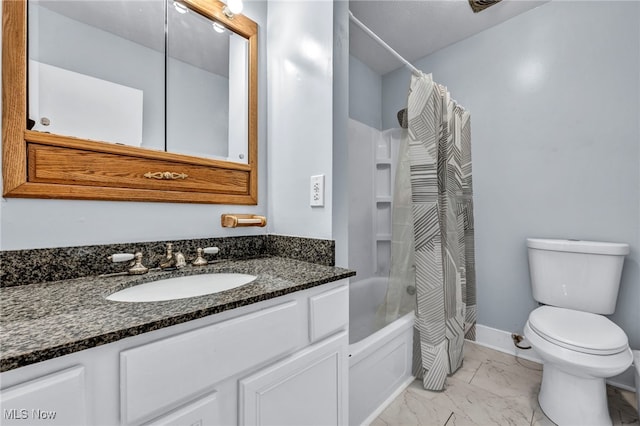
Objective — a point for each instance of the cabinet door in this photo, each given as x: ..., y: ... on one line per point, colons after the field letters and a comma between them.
x: 307, y: 388
x: 55, y: 399
x: 328, y: 313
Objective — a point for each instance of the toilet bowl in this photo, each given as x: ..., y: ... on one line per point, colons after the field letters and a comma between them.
x: 580, y: 350
x: 577, y: 281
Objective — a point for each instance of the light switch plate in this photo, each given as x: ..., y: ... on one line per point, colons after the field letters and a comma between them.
x: 317, y: 191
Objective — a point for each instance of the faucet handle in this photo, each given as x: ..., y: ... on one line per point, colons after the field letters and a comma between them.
x: 121, y: 257
x: 200, y: 260
x: 136, y: 267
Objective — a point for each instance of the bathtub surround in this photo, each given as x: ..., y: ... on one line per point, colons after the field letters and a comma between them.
x: 20, y: 267
x: 371, y: 175
x: 401, y: 294
x: 441, y: 201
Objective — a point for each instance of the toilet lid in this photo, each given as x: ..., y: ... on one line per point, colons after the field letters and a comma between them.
x: 579, y: 331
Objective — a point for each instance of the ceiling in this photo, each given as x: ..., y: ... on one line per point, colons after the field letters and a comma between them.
x: 416, y: 29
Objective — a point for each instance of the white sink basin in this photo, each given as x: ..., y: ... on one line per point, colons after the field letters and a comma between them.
x: 181, y: 287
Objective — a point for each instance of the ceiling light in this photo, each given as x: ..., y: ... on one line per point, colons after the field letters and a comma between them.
x: 181, y: 8
x: 232, y: 8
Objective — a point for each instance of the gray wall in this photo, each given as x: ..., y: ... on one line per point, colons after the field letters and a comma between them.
x: 554, y: 97
x: 365, y: 94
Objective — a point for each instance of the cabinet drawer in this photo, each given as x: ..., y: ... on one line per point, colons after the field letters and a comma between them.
x: 328, y: 312
x: 161, y: 375
x: 50, y: 164
x: 55, y: 399
x: 203, y: 412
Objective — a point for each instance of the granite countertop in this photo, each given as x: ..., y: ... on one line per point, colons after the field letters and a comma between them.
x: 47, y: 320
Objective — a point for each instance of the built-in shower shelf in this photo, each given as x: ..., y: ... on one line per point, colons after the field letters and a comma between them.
x: 383, y: 200
x: 385, y: 161
x: 383, y: 180
x: 383, y: 237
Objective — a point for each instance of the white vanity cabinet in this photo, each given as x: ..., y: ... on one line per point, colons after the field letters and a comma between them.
x: 55, y: 399
x: 281, y: 361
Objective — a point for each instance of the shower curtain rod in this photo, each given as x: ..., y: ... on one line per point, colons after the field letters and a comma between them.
x: 380, y: 41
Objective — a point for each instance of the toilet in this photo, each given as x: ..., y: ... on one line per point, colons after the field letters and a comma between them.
x: 577, y: 283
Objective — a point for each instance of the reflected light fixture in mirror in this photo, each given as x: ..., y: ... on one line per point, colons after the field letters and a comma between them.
x: 181, y: 8
x: 219, y: 28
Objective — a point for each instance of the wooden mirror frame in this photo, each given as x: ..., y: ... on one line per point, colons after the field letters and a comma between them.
x: 42, y: 165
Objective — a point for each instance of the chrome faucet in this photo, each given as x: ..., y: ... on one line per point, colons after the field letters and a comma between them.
x: 173, y: 260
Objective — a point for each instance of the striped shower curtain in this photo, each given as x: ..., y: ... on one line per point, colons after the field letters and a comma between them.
x: 441, y: 203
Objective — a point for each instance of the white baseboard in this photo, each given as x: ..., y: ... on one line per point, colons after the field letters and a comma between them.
x: 388, y: 401
x: 500, y: 340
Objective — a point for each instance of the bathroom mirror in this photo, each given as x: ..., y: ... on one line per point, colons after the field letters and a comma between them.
x: 207, y: 87
x: 175, y: 118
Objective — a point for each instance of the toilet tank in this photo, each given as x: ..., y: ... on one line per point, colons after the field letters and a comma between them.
x: 581, y: 275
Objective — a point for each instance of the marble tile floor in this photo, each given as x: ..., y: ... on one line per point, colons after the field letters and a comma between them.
x: 491, y: 388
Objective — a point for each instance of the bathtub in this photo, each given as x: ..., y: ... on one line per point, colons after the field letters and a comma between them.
x: 379, y: 360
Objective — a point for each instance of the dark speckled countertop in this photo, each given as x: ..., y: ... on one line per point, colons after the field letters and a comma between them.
x: 47, y: 320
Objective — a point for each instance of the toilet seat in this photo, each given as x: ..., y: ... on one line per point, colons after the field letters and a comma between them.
x: 578, y: 331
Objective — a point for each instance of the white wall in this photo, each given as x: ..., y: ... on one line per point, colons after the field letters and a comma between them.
x: 340, y: 231
x: 59, y: 223
x: 554, y: 96
x: 300, y: 68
